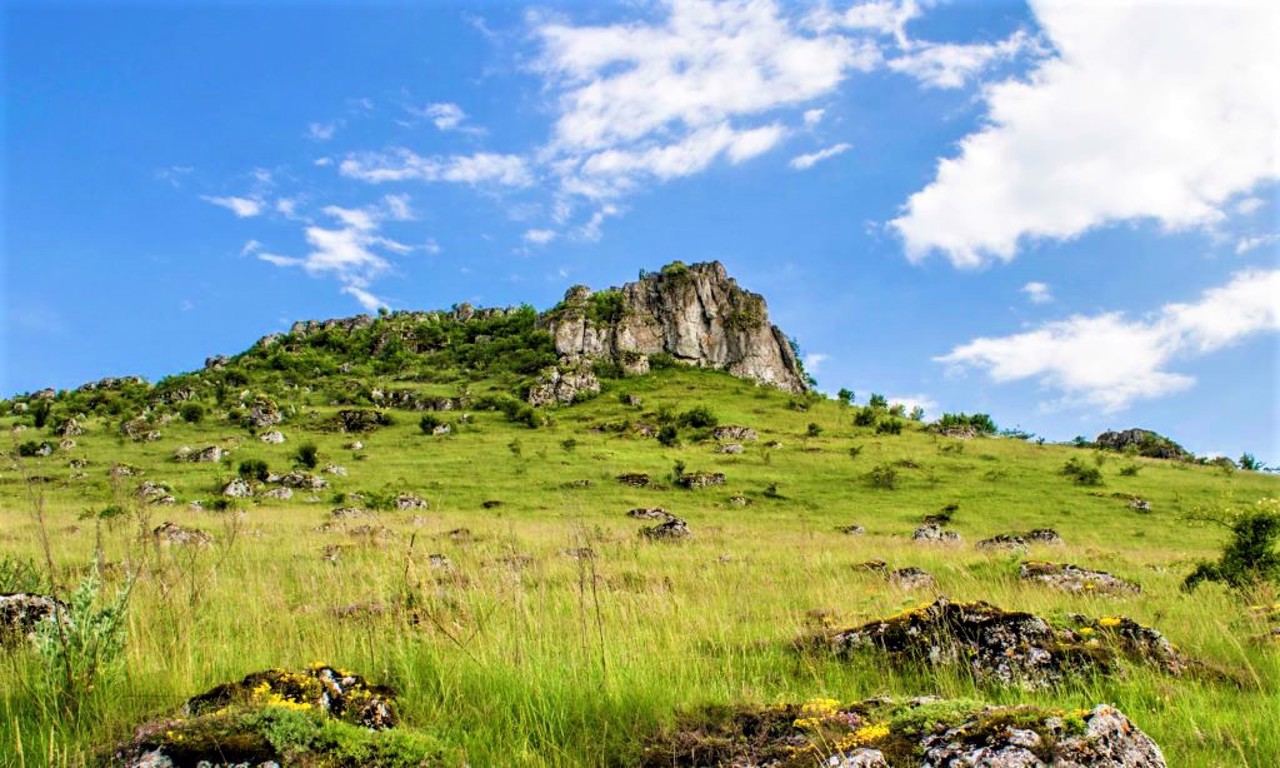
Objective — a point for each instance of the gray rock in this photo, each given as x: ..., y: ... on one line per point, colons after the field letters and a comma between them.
x: 673, y: 529
x: 279, y: 494
x: 697, y: 314
x: 407, y: 501
x: 237, y: 489
x: 730, y: 448
x: 21, y: 614
x: 934, y: 534
x: 275, y: 436
x: 69, y: 428
x: 911, y: 578
x: 696, y: 480
x: 733, y: 432
x: 172, y: 533
x: 563, y: 383
x: 650, y: 513
x: 304, y: 481
x: 1072, y: 578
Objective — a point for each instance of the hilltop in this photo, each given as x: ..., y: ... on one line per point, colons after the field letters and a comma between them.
x: 609, y: 533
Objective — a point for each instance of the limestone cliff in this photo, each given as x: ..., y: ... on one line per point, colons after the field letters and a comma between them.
x: 697, y: 314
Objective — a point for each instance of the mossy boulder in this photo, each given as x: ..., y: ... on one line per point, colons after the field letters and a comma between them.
x: 920, y: 733
x: 1009, y: 647
x: 320, y: 716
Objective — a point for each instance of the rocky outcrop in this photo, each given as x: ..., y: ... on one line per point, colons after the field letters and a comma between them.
x: 172, y: 533
x: 934, y: 534
x: 927, y: 732
x: 673, y: 529
x: 567, y: 382
x: 1072, y: 578
x: 1021, y: 540
x: 1144, y: 441
x: 696, y: 314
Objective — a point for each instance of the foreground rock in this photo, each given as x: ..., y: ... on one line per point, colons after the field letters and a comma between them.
x: 1144, y: 442
x: 172, y: 533
x: 1072, y: 578
x: 879, y: 733
x: 1009, y: 647
x: 1021, y: 540
x: 673, y: 529
x: 934, y: 534
x: 21, y: 613
x: 320, y: 716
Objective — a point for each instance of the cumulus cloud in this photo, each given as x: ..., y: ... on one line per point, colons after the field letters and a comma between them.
x: 951, y: 65
x: 814, y: 360
x: 444, y: 116
x: 1149, y: 111
x: 1037, y: 293
x: 242, y: 207
x: 1109, y: 361
x: 539, y: 236
x: 666, y: 99
x: 807, y: 161
x: 323, y: 131
x: 1246, y: 244
x: 402, y: 164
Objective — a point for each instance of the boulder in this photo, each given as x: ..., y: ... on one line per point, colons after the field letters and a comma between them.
x: 1009, y: 647
x: 69, y: 428
x: 730, y: 448
x: 406, y: 502
x: 934, y: 534
x: 925, y: 732
x: 735, y: 433
x: 304, y: 481
x: 263, y: 413
x: 1072, y: 578
x: 634, y: 479
x: 563, y: 383
x: 911, y: 577
x: 852, y: 530
x: 150, y: 492
x: 279, y: 494
x: 673, y: 529
x: 274, y: 436
x: 21, y: 613
x: 230, y: 724
x: 237, y: 489
x: 650, y: 513
x: 1021, y: 540
x: 359, y: 420
x: 172, y: 533
x: 696, y: 480
x: 1144, y: 442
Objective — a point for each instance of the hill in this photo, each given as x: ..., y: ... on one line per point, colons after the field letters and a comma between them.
x: 381, y: 494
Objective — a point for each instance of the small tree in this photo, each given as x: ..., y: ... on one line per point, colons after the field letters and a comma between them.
x: 428, y: 424
x: 845, y: 396
x: 1249, y: 463
x: 815, y: 429
x: 1250, y: 558
x: 253, y: 469
x: 878, y: 401
x: 669, y: 436
x: 192, y: 413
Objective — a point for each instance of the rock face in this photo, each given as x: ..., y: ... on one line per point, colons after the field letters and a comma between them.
x: 696, y: 314
x: 564, y: 383
x: 926, y: 732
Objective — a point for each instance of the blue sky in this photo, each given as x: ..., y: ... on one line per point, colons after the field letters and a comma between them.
x: 1063, y: 214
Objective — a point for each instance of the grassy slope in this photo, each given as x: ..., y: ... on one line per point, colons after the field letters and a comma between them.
x: 534, y: 665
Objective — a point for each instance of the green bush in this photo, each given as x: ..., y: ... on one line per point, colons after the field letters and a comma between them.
x: 192, y: 413
x: 1081, y: 473
x: 889, y: 426
x: 814, y: 430
x: 1130, y: 469
x: 1250, y: 558
x: 307, y: 456
x: 669, y: 436
x: 878, y: 401
x: 883, y: 476
x: 21, y: 576
x: 978, y: 422
x: 428, y: 423
x: 845, y: 396
x: 699, y: 417
x: 855, y: 451
x: 865, y: 417
x: 83, y: 648
x: 253, y: 469
x: 40, y: 412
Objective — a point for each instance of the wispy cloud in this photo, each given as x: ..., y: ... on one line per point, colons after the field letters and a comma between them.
x: 402, y: 164
x: 242, y: 207
x: 1109, y: 361
x: 807, y: 161
x: 445, y: 116
x: 1037, y: 293
x: 324, y: 131
x: 1247, y: 244
x: 539, y: 236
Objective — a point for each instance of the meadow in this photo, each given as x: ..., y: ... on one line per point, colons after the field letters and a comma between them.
x: 518, y: 647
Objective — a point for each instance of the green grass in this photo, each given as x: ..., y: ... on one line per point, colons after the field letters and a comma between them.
x: 563, y: 661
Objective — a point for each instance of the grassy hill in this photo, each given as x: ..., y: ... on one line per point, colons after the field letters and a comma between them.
x: 509, y: 642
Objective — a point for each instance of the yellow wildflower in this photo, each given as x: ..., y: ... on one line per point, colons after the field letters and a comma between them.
x: 1109, y: 621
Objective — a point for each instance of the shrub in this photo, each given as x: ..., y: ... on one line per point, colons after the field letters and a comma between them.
x: 40, y: 412
x: 815, y: 429
x: 253, y: 469
x: 978, y: 422
x: 606, y: 307
x: 855, y: 451
x: 21, y: 576
x: 661, y: 360
x: 428, y: 424
x: 30, y: 448
x: 569, y: 444
x: 1130, y: 469
x: 865, y: 417
x: 917, y: 414
x: 878, y: 401
x: 889, y: 427
x: 192, y: 413
x: 669, y: 436
x: 1082, y: 474
x: 85, y: 645
x: 1249, y: 463
x: 699, y: 417
x: 307, y: 456
x: 1250, y: 558
x: 845, y: 396
x: 883, y: 476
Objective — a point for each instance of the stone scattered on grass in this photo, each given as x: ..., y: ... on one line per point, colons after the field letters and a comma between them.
x: 738, y: 500
x: 696, y: 480
x: 237, y: 489
x: 634, y: 479
x: 274, y: 437
x: 1021, y: 540
x: 408, y: 502
x: 650, y: 513
x: 934, y: 534
x: 871, y: 565
x: 1009, y: 647
x: 729, y: 448
x: 734, y: 432
x: 279, y: 494
x: 1072, y: 578
x: 304, y: 481
x: 491, y: 504
x: 21, y: 613
x: 852, y: 530
x: 671, y: 530
x: 878, y: 733
x: 172, y: 533
x: 911, y: 577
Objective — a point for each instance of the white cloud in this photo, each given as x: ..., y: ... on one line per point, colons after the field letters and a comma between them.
x: 370, y: 302
x: 805, y: 162
x: 253, y: 246
x: 813, y: 116
x: 323, y: 131
x: 287, y: 207
x: 431, y: 246
x: 950, y: 65
x: 1246, y: 244
x: 1159, y: 111
x: 911, y: 402
x: 322, y: 162
x: 355, y: 218
x: 402, y: 164
x: 539, y: 236
x: 1249, y: 205
x: 1109, y: 361
x: 593, y: 229
x: 174, y: 174
x: 885, y: 17
x: 666, y: 99
x: 444, y: 115
x: 814, y: 360
x: 397, y: 207
x: 242, y: 207
x: 1037, y: 293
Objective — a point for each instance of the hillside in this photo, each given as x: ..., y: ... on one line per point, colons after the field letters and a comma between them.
x: 440, y: 501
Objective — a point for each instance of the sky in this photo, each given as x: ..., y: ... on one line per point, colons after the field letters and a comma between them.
x: 1064, y: 214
